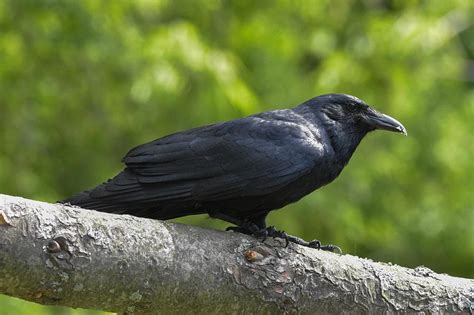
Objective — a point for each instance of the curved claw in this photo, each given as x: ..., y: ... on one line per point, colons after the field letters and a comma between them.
x: 283, y: 235
x: 272, y: 232
x: 332, y: 248
x: 262, y: 233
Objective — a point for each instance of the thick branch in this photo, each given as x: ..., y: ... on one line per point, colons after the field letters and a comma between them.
x: 52, y: 254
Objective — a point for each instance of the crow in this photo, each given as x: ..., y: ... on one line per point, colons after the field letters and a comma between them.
x: 240, y: 170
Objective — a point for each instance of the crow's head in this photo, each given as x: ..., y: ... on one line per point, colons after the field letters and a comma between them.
x: 354, y: 114
x: 345, y: 120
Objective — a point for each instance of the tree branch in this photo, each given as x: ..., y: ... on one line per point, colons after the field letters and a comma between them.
x: 53, y: 254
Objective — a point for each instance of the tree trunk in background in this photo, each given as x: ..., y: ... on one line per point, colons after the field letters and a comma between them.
x: 53, y: 254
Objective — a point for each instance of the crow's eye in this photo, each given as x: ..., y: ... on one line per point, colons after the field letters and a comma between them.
x: 359, y: 107
x: 343, y: 111
x: 332, y: 114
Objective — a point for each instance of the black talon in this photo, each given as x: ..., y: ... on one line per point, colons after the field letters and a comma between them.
x: 272, y: 232
x: 263, y: 234
x: 250, y: 228
x: 331, y: 248
x: 315, y: 244
x: 287, y: 241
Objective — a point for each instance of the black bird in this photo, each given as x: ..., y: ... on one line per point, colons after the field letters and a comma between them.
x: 238, y: 171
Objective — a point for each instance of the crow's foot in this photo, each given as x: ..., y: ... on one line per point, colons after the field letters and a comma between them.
x: 252, y: 229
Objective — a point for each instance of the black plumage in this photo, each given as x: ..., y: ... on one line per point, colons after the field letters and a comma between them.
x: 240, y: 170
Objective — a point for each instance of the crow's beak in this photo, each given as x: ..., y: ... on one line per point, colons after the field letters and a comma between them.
x: 385, y: 122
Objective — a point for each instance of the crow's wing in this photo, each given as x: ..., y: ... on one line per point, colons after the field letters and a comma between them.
x: 245, y: 157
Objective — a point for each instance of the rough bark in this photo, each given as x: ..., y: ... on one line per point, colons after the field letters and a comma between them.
x: 53, y: 254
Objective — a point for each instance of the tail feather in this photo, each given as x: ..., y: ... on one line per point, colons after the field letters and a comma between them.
x: 124, y: 194
x: 84, y: 200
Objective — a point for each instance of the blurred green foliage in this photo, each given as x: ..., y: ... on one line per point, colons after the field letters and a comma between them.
x: 81, y: 82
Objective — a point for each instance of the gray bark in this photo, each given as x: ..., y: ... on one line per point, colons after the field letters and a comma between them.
x: 53, y: 254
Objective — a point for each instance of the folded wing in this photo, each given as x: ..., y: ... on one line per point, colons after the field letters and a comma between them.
x: 246, y: 157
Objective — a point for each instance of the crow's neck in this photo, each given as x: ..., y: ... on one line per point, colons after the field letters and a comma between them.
x: 344, y: 138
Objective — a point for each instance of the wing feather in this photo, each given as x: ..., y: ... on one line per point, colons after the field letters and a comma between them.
x: 249, y: 158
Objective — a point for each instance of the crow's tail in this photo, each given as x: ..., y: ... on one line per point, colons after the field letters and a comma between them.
x: 117, y: 195
x: 86, y: 201
x: 124, y: 194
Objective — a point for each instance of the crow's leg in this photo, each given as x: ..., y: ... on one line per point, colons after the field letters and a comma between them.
x: 272, y: 232
x: 256, y: 227
x: 252, y: 229
x: 249, y: 226
x: 225, y: 217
